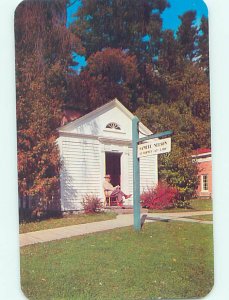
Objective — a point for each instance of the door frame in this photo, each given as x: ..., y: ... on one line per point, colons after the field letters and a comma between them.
x: 124, y: 161
x: 119, y: 154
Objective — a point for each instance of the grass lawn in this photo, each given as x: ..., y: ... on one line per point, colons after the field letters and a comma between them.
x: 202, y: 217
x: 65, y: 221
x: 167, y: 260
x: 201, y: 204
x: 196, y: 205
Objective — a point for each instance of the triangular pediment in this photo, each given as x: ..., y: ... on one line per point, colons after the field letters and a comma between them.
x: 112, y: 120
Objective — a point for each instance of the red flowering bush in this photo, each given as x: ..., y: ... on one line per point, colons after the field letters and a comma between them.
x: 91, y: 204
x: 161, y: 197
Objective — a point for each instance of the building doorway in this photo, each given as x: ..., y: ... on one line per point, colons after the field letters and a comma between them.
x: 113, y: 167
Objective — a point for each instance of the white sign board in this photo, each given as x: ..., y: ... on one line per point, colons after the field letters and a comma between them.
x: 153, y: 147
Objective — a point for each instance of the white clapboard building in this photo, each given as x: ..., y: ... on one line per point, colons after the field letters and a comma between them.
x: 96, y: 144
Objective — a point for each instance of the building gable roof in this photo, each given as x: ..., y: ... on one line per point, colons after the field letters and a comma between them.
x: 99, y: 111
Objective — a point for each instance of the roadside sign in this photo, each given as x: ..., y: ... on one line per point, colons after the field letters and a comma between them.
x: 144, y: 146
x: 153, y: 147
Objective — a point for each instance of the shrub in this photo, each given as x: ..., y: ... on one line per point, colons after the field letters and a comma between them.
x: 179, y: 169
x: 161, y: 197
x: 91, y: 204
x: 37, y: 207
x: 182, y: 203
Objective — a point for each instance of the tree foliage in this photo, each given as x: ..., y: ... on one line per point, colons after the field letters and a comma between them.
x: 121, y: 24
x: 43, y: 56
x: 203, y: 44
x: 170, y: 59
x: 133, y: 26
x: 187, y: 35
x: 178, y: 169
x: 110, y: 73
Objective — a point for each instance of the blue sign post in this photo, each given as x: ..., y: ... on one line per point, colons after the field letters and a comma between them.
x: 136, y: 174
x: 136, y: 167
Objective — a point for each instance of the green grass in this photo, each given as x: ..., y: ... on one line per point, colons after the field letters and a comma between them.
x: 167, y: 260
x: 201, y: 204
x: 202, y: 217
x: 65, y: 221
x: 196, y: 205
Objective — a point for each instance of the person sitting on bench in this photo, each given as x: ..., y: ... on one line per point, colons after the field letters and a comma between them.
x: 114, y: 191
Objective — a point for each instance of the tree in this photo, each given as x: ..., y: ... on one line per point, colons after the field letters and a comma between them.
x: 133, y: 26
x: 43, y: 54
x: 195, y: 91
x: 179, y: 170
x: 190, y: 86
x: 109, y: 74
x: 38, y: 157
x: 203, y: 44
x: 189, y: 132
x: 169, y: 55
x: 46, y: 51
x: 121, y: 24
x: 187, y: 35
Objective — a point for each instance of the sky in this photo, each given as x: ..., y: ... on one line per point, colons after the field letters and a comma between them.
x: 170, y: 17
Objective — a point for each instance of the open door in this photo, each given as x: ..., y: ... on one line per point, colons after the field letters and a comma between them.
x: 113, y: 167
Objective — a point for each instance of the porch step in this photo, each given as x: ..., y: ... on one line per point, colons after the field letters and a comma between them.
x: 125, y: 209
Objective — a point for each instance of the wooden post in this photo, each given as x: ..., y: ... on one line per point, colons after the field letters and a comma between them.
x: 136, y: 174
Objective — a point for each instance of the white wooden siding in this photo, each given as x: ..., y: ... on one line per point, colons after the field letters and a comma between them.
x: 130, y: 170
x: 80, y: 171
x: 148, y: 171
